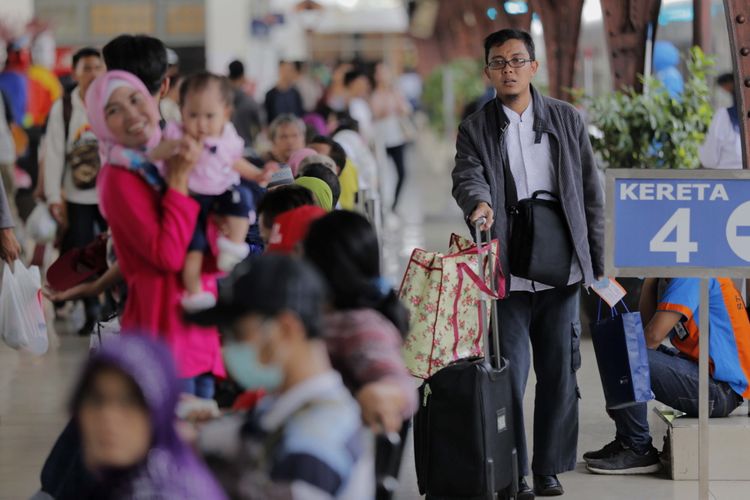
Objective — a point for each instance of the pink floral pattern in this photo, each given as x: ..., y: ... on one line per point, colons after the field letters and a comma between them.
x: 434, y: 286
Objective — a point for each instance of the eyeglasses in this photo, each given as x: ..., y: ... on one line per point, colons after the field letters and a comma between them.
x: 516, y: 62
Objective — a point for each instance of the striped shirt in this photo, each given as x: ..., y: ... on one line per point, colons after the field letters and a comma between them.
x: 729, y: 342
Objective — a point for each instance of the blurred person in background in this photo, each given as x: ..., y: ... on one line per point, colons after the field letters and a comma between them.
x: 278, y: 201
x: 345, y: 131
x: 722, y: 147
x: 284, y: 97
x: 325, y: 172
x: 287, y: 135
x: 303, y: 440
x: 335, y: 96
x: 124, y: 406
x: 364, y: 331
x: 410, y: 84
x: 390, y: 109
x: 347, y: 171
x: 290, y: 229
x: 321, y: 190
x: 71, y: 167
x: 247, y: 115
x: 308, y: 86
x: 358, y: 89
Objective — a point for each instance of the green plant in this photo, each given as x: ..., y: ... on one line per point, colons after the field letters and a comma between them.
x: 468, y: 84
x: 653, y: 129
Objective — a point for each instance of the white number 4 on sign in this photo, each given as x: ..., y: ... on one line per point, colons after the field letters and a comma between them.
x: 682, y: 247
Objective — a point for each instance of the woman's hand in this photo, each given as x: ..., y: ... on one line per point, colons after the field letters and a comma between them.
x: 179, y: 165
x: 164, y: 150
x: 10, y: 250
x: 83, y: 290
x: 382, y: 406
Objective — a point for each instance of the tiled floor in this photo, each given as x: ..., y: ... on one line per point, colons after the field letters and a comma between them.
x: 33, y: 391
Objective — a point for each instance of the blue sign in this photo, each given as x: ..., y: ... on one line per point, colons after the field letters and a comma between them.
x: 691, y: 222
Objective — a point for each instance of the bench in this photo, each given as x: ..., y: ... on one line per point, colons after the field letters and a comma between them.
x: 728, y: 449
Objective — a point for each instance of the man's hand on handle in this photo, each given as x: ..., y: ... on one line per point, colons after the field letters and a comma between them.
x: 483, y: 210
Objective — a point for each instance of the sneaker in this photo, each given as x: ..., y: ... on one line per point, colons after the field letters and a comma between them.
x: 230, y: 254
x: 627, y: 461
x: 196, y: 302
x: 609, y: 449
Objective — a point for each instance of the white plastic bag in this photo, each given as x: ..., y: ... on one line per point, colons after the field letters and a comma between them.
x: 40, y: 225
x: 104, y: 332
x: 22, y: 323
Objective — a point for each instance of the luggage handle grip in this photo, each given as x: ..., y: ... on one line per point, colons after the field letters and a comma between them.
x: 487, y: 302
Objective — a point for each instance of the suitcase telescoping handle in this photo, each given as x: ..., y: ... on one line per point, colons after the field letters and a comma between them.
x: 487, y: 301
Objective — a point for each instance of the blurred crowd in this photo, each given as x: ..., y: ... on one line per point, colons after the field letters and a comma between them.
x: 226, y: 253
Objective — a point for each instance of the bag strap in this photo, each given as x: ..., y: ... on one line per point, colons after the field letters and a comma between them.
x: 612, y: 310
x: 511, y: 193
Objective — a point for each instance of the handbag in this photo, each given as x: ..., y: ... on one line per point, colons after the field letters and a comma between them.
x: 22, y: 322
x: 443, y: 293
x: 622, y: 357
x: 540, y: 247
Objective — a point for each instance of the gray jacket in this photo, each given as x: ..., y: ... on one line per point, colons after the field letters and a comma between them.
x: 479, y: 176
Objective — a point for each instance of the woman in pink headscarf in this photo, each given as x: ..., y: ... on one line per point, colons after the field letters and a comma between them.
x: 297, y: 157
x: 152, y: 219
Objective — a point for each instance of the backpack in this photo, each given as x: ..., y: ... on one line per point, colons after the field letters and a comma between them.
x: 83, y: 157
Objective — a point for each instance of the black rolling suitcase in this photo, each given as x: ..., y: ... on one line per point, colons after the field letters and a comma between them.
x: 463, y: 431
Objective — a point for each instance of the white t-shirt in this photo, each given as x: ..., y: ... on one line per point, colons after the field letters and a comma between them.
x: 359, y: 109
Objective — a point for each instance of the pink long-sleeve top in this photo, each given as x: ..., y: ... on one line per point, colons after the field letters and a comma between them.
x: 151, y: 232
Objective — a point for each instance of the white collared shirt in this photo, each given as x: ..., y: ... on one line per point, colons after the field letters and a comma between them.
x: 722, y: 147
x: 533, y: 170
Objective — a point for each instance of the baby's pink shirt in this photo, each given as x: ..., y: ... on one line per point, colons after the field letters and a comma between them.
x: 213, y: 174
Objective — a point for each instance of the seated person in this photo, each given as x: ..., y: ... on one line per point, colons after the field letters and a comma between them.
x: 305, y: 439
x: 347, y: 172
x: 674, y: 372
x: 278, y: 201
x: 325, y: 173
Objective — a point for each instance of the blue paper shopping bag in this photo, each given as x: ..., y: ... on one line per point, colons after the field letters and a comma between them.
x: 622, y: 357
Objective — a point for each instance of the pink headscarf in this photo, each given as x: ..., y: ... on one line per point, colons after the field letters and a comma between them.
x: 297, y: 158
x: 96, y: 100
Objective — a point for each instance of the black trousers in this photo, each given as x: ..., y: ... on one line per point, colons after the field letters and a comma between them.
x: 397, y: 155
x: 85, y: 222
x: 547, y: 324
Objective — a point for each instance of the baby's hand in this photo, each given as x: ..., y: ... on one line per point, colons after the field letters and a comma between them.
x: 269, y: 169
x: 166, y: 149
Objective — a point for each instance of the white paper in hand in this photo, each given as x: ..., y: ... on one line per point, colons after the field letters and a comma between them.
x: 609, y: 290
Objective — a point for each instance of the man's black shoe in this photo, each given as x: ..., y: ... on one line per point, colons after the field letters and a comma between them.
x: 547, y: 486
x: 608, y: 450
x: 627, y: 461
x: 524, y: 490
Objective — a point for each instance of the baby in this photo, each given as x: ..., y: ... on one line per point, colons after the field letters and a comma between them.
x: 206, y: 108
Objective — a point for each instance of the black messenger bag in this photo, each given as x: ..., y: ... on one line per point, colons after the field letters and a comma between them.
x: 540, y: 247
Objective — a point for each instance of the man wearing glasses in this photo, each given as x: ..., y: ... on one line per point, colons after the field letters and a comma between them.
x: 543, y: 144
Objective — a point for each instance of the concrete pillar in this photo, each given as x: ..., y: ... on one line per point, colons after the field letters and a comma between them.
x: 227, y: 33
